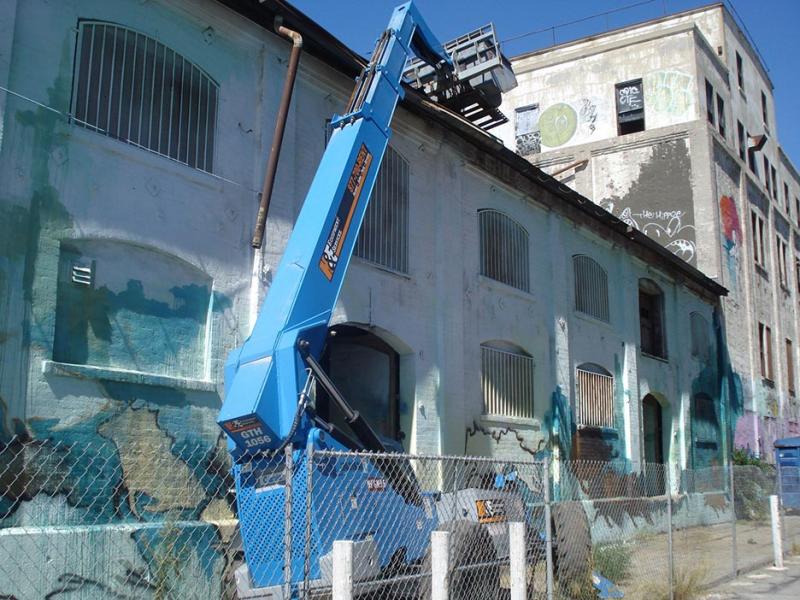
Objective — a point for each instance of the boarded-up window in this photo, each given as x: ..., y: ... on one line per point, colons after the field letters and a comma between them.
x: 705, y: 432
x: 765, y: 351
x: 595, y: 396
x: 131, y: 87
x: 504, y: 249
x: 700, y: 338
x: 591, y: 287
x: 630, y: 107
x: 383, y: 238
x: 506, y: 381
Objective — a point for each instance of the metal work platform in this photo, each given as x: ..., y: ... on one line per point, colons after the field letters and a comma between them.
x: 482, y: 74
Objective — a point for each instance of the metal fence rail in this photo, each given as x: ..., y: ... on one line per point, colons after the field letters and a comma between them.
x: 135, y: 519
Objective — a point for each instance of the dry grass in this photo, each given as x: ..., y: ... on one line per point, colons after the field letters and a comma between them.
x: 688, y: 585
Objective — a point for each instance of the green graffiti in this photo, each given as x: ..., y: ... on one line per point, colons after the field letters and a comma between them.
x: 558, y: 124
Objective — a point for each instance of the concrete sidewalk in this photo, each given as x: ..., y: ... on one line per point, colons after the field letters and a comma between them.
x: 764, y: 583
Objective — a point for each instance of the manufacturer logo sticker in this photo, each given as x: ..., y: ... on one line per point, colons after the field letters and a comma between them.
x: 344, y: 216
x: 491, y: 511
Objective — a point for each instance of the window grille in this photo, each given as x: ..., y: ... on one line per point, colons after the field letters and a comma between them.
x: 504, y: 249
x: 591, y: 287
x: 383, y: 238
x: 506, y: 382
x: 595, y: 393
x: 133, y: 88
x: 699, y: 330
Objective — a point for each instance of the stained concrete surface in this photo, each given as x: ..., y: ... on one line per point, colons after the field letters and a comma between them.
x: 764, y: 583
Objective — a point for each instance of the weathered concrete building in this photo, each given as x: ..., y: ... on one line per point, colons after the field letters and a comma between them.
x: 670, y: 126
x: 491, y: 310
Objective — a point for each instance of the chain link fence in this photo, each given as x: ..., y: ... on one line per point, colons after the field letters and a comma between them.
x: 136, y: 520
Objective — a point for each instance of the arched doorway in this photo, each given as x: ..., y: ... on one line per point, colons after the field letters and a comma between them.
x: 652, y: 430
x: 366, y: 370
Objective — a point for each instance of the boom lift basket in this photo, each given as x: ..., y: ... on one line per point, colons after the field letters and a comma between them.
x: 482, y: 74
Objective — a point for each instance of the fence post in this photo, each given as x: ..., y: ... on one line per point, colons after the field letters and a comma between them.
x: 670, y: 547
x: 548, y: 527
x: 735, y: 551
x: 440, y: 565
x: 288, y: 469
x: 342, y: 577
x: 777, y: 540
x: 309, y: 505
x: 517, y: 558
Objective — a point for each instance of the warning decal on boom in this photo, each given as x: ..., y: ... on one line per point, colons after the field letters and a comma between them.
x: 347, y: 206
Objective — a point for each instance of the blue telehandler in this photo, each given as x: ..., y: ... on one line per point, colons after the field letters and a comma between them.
x: 269, y: 413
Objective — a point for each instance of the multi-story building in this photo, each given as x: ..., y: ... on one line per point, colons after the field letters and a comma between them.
x: 670, y: 126
x: 490, y: 310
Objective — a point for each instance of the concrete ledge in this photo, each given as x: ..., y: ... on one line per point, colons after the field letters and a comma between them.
x: 51, y: 367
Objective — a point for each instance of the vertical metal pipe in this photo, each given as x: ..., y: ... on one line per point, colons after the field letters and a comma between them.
x: 548, y: 525
x: 668, y: 468
x: 734, y: 551
x: 309, y: 508
x: 280, y: 125
x: 288, y: 469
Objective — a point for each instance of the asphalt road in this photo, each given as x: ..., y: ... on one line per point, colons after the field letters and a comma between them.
x: 764, y: 583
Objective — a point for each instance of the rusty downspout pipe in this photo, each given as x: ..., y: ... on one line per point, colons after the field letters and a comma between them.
x: 280, y: 125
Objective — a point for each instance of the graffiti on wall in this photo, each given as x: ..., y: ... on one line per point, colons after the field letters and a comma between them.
x: 656, y: 199
x: 731, y: 236
x: 669, y: 92
x: 557, y: 125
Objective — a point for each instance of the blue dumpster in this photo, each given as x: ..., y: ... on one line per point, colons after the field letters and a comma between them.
x: 787, y: 459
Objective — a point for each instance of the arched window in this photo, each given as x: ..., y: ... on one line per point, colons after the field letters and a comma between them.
x: 700, y: 337
x: 383, y: 238
x: 591, y: 287
x: 651, y: 319
x: 504, y: 249
x: 506, y: 380
x: 123, y: 306
x: 594, y: 406
x: 131, y: 87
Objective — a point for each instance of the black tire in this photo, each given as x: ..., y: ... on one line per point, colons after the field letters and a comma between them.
x: 572, y: 552
x: 470, y: 543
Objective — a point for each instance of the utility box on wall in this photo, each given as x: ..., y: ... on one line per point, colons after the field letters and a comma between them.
x: 787, y: 458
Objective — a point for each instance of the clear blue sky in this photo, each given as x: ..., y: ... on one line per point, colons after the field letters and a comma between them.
x: 774, y: 25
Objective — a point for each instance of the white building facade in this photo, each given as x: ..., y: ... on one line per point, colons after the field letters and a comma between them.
x: 670, y: 125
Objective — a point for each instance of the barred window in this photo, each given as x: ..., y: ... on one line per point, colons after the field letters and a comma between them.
x: 591, y: 287
x: 133, y: 88
x: 651, y: 319
x: 506, y: 380
x: 699, y: 330
x: 595, y: 396
x: 504, y: 249
x: 383, y: 238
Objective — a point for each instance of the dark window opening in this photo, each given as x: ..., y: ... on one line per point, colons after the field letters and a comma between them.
x: 739, y: 71
x: 764, y: 113
x: 721, y: 115
x: 742, y: 144
x: 366, y: 370
x: 709, y: 102
x: 751, y: 158
x: 786, y: 196
x: 653, y: 438
x: 766, y: 176
x: 774, y: 174
x: 651, y: 319
x: 630, y: 107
